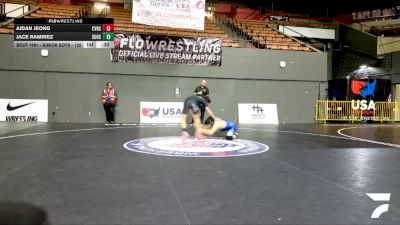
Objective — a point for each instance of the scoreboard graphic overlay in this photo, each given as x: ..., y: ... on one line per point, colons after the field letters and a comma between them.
x: 64, y: 33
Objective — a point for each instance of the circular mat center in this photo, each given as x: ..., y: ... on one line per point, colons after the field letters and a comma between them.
x: 209, y: 147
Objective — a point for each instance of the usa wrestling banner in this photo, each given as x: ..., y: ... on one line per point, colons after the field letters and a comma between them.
x: 160, y: 112
x: 142, y: 48
x: 178, y: 14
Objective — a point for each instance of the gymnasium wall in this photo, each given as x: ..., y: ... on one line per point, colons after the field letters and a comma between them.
x: 72, y: 80
x: 395, y: 67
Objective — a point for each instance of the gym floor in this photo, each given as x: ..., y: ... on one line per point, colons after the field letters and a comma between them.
x: 311, y: 174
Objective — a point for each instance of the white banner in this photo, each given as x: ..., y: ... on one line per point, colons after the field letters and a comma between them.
x: 178, y: 13
x: 160, y: 112
x: 24, y: 110
x: 308, y: 32
x: 255, y: 113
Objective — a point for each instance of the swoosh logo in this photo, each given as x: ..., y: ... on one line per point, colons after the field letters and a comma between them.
x: 11, y: 108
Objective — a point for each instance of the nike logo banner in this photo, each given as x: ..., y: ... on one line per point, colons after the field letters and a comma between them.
x: 11, y: 108
x: 24, y: 110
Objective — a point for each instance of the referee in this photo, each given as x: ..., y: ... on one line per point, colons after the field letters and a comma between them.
x: 202, y: 90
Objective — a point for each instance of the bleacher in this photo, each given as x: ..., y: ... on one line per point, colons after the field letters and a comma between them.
x: 10, y: 29
x: 259, y: 32
x: 263, y: 36
x: 6, y: 31
x: 123, y: 24
x: 48, y: 10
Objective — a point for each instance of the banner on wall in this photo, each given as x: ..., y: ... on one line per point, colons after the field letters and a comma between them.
x: 24, y: 110
x: 143, y: 48
x: 160, y: 112
x: 178, y: 14
x: 363, y: 94
x: 257, y: 113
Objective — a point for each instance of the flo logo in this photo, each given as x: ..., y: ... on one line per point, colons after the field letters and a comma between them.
x: 209, y: 147
x: 150, y: 112
x: 363, y: 88
x: 379, y: 197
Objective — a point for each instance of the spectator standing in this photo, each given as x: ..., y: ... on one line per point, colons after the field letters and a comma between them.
x: 109, y: 100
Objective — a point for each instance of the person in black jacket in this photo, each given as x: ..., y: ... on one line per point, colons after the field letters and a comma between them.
x: 202, y: 90
x: 192, y: 106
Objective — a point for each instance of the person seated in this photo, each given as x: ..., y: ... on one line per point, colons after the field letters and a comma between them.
x: 211, y: 126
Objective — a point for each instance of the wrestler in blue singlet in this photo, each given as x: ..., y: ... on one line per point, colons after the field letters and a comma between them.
x: 230, y: 127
